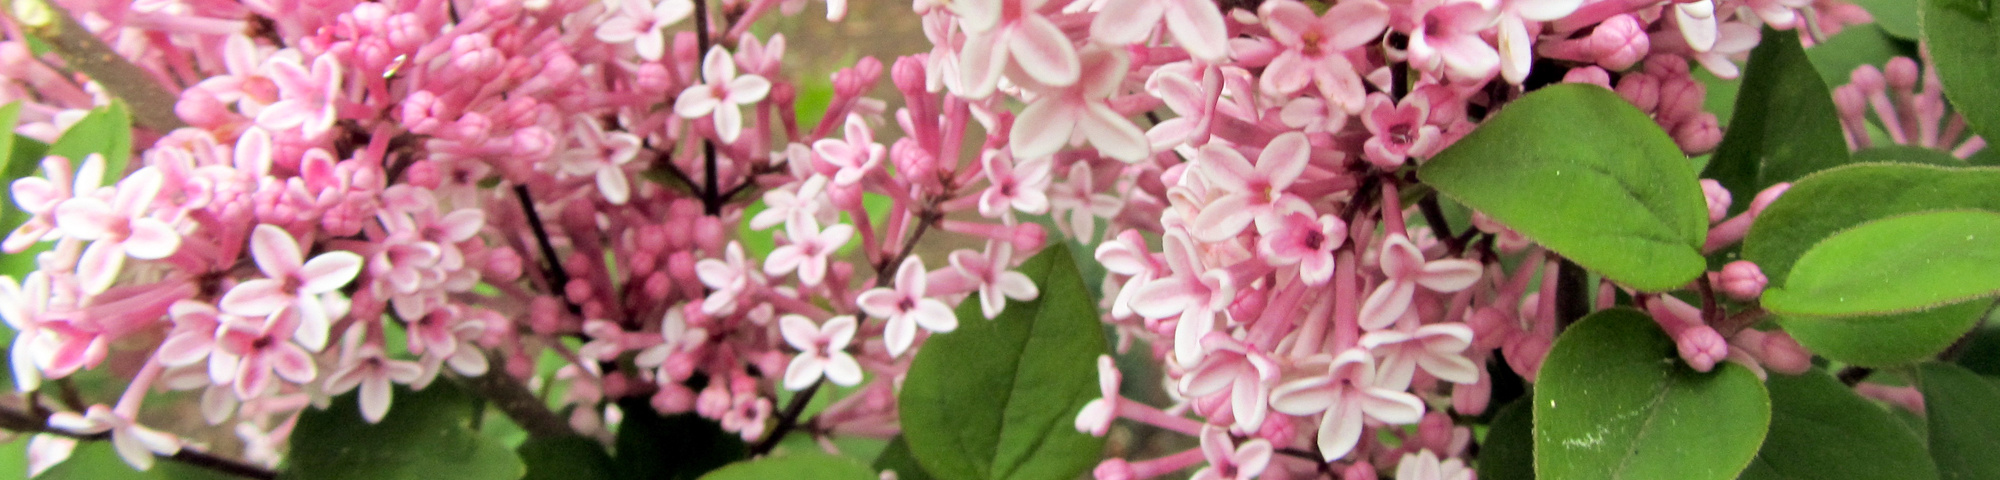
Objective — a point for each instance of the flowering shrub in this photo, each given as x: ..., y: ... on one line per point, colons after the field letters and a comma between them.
x: 1355, y: 239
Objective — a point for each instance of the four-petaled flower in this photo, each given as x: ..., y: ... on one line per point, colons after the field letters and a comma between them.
x: 1014, y: 186
x: 644, y: 24
x: 134, y: 442
x: 121, y: 227
x: 1347, y: 392
x: 996, y: 282
x: 1229, y: 461
x: 292, y: 281
x: 808, y: 250
x: 1404, y: 264
x: 307, y: 98
x: 855, y: 157
x: 1250, y: 192
x: 906, y: 308
x: 1315, y: 48
x: 822, y: 351
x: 373, y: 372
x: 1096, y: 417
x: 722, y: 94
x: 1082, y: 110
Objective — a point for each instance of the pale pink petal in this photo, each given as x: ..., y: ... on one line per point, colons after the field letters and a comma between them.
x: 100, y: 264
x: 1392, y: 407
x: 1386, y: 304
x: 1253, y: 457
x: 329, y: 271
x: 1197, y: 26
x: 803, y: 371
x: 292, y: 363
x: 1135, y: 20
x: 276, y: 252
x: 1284, y: 159
x: 843, y: 370
x: 152, y: 239
x: 981, y: 62
x: 748, y: 89
x: 799, y: 332
x: 1163, y: 298
x: 47, y: 450
x: 1355, y: 23
x: 375, y: 397
x: 1044, y: 127
x: 898, y: 333
x: 1340, y: 430
x: 1286, y: 74
x: 880, y: 303
x: 1041, y: 49
x: 1223, y: 219
x: 1095, y: 419
x: 1449, y: 275
x: 132, y: 450
x: 618, y: 29
x: 838, y: 331
x: 1113, y: 134
x: 728, y: 122
x: 696, y: 102
x: 86, y: 218
x: 933, y: 315
x: 1450, y: 368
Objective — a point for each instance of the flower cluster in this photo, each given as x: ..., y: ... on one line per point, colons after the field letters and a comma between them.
x: 367, y: 196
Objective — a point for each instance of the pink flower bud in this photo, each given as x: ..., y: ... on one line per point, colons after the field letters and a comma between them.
x: 1359, y: 471
x: 1620, y: 42
x: 673, y: 398
x: 1783, y: 354
x: 1113, y: 469
x: 1767, y: 196
x: 1852, y: 103
x: 854, y: 81
x: 1902, y: 74
x: 710, y: 233
x: 910, y: 75
x: 519, y: 366
x: 1701, y: 347
x: 1029, y: 237
x: 202, y: 109
x: 1680, y: 98
x: 1698, y: 135
x: 1472, y: 398
x: 1742, y: 280
x: 915, y: 165
x: 502, y: 264
x: 1718, y: 199
x: 1868, y: 79
x: 1525, y: 354
x: 1642, y: 90
x: 653, y: 77
x: 1591, y: 75
x: 545, y: 315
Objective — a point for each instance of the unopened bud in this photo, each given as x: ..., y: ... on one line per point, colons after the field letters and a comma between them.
x: 1742, y: 280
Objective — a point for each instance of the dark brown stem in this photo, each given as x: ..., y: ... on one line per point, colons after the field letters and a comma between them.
x: 1571, y: 301
x: 787, y: 420
x: 711, y: 198
x: 1711, y: 312
x: 558, y: 279
x: 1853, y: 375
x: 152, y: 105
x: 20, y: 421
x: 512, y: 398
x: 1434, y: 215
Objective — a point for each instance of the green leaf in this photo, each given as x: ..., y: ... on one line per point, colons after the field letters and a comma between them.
x: 1897, y: 17
x: 1834, y: 200
x: 997, y: 399
x: 1785, y: 125
x: 679, y: 447
x: 107, y: 131
x: 798, y: 465
x: 1907, y: 154
x: 898, y: 458
x: 1615, y: 402
x: 1508, y: 452
x: 1884, y: 340
x: 565, y: 458
x: 1964, y: 426
x: 1818, y: 426
x: 425, y: 436
x: 97, y: 460
x: 1898, y: 264
x: 1963, y: 39
x: 1617, y: 197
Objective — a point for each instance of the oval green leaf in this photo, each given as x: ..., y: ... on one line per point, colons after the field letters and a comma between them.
x: 1884, y: 340
x: 1964, y: 426
x: 106, y: 130
x: 1819, y: 425
x: 997, y: 399
x: 569, y: 457
x: 798, y: 465
x: 1898, y: 264
x: 425, y: 436
x: 1839, y: 199
x: 1615, y: 402
x: 675, y: 447
x: 1785, y: 124
x: 1908, y: 154
x: 896, y: 457
x: 1963, y: 38
x: 1897, y: 17
x: 1580, y: 171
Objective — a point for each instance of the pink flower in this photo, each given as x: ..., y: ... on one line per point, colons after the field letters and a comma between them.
x: 1516, y: 42
x: 798, y: 199
x: 40, y: 196
x: 1315, y: 48
x: 1082, y: 109
x: 808, y: 250
x: 1247, y: 373
x: 116, y: 229
x: 246, y: 82
x: 1297, y: 238
x: 135, y: 443
x: 602, y: 155
x: 1346, y: 393
x: 1251, y: 192
x: 1096, y: 417
x: 1078, y: 204
x: 855, y: 157
x: 1004, y: 33
x: 1438, y: 348
x: 1012, y: 186
x: 249, y: 351
x: 292, y: 281
x: 722, y: 94
x: 1196, y: 25
x: 906, y: 308
x: 729, y: 278
x: 23, y: 305
x: 1126, y: 255
x: 1193, y: 292
x: 821, y: 351
x: 307, y: 98
x: 644, y: 24
x: 1447, y: 40
x: 1424, y: 465
x: 1406, y: 269
x: 367, y: 368
x: 1399, y: 130
x: 995, y: 282
x: 1228, y: 461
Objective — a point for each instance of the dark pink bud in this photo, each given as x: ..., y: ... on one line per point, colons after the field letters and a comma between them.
x: 519, y: 366
x: 1852, y: 103
x: 909, y: 75
x: 1701, y: 347
x: 1359, y: 471
x: 1434, y: 431
x: 1642, y: 90
x: 1029, y: 237
x: 201, y: 109
x: 915, y: 165
x: 710, y: 233
x: 424, y: 174
x: 545, y: 315
x: 1113, y: 469
x: 854, y: 81
x: 1472, y: 399
x: 1902, y: 74
x: 1767, y: 196
x: 1698, y: 135
x: 1680, y: 97
x: 653, y: 77
x: 1742, y: 280
x: 1783, y: 354
x: 1868, y: 79
x: 1718, y: 199
x: 616, y: 384
x: 578, y: 290
x: 1525, y: 354
x: 1620, y: 42
x: 673, y: 398
x: 1591, y: 75
x: 502, y: 264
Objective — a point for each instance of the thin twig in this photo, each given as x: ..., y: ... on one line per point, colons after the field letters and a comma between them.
x: 20, y: 421
x: 152, y: 104
x: 1434, y: 215
x: 512, y: 398
x: 787, y: 420
x: 558, y: 279
x: 1570, y: 290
